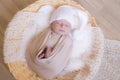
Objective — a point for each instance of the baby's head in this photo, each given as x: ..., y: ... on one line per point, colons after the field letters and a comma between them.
x: 62, y: 20
x: 62, y: 27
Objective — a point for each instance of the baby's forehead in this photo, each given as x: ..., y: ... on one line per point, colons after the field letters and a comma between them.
x: 61, y: 21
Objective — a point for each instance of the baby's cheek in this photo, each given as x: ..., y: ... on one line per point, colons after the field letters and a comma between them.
x: 68, y: 30
x: 53, y: 28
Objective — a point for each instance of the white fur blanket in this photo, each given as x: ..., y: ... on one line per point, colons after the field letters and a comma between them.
x: 26, y: 24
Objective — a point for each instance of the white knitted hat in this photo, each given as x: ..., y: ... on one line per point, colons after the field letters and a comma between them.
x: 67, y: 13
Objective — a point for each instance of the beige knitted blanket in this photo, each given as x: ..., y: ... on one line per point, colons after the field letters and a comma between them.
x: 110, y: 66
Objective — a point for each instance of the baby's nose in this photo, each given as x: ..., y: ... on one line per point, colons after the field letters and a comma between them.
x: 62, y: 26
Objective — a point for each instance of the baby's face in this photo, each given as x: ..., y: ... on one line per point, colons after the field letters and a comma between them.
x: 61, y: 27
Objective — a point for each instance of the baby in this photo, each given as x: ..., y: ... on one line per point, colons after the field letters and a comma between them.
x: 62, y: 23
x: 61, y: 27
x: 49, y: 52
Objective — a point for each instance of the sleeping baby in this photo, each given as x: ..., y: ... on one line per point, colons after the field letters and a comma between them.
x: 50, y: 51
x: 59, y: 28
x: 61, y: 24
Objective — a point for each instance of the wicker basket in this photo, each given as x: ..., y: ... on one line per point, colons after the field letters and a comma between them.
x: 19, y: 68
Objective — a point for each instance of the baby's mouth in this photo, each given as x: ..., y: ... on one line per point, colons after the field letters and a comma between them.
x: 61, y: 30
